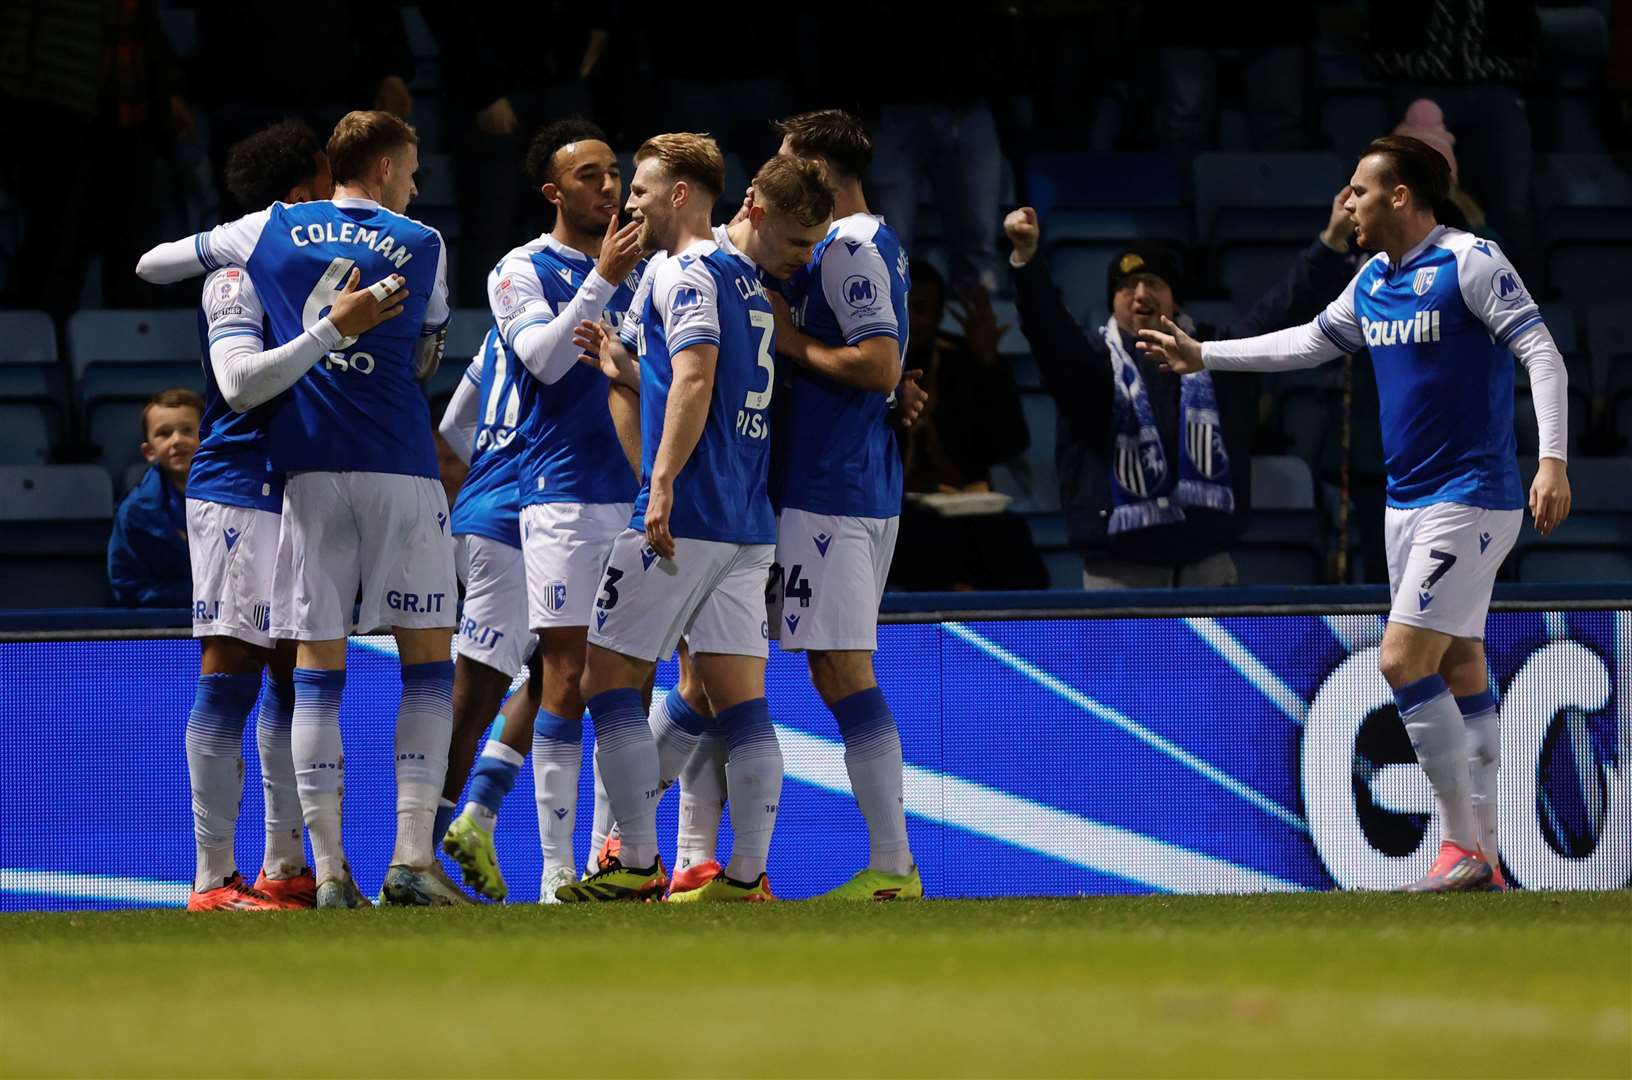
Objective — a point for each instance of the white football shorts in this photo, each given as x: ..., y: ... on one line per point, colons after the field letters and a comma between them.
x: 566, y: 546
x: 380, y: 539
x: 493, y: 626
x: 829, y: 579
x: 1442, y: 563
x: 710, y: 593
x: 234, y: 552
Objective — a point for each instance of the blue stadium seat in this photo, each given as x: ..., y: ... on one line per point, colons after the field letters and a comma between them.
x: 1012, y: 343
x: 736, y: 184
x: 28, y: 431
x: 1247, y: 271
x: 466, y: 329
x: 435, y: 183
x: 1307, y: 420
x: 1589, y: 275
x: 1097, y: 180
x: 1561, y: 324
x: 1031, y: 479
x: 132, y: 476
x: 33, y: 410
x: 1079, y: 270
x: 27, y: 337
x: 131, y: 337
x: 1282, y: 482
x: 1609, y: 343
x: 1121, y: 224
x: 1265, y: 196
x: 1583, y: 197
x: 1282, y: 544
x: 55, y: 493
x: 1599, y: 525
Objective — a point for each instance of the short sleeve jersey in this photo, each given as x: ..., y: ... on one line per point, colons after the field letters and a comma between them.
x: 232, y: 465
x: 712, y: 295
x: 359, y: 408
x: 488, y: 503
x: 836, y: 452
x: 569, y: 451
x: 1439, y: 326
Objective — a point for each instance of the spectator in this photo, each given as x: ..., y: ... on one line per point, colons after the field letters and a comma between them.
x: 1147, y: 508
x: 971, y: 422
x: 1269, y: 50
x: 510, y: 68
x: 1425, y: 120
x: 147, y: 554
x: 1473, y: 58
x: 935, y: 121
x: 93, y: 92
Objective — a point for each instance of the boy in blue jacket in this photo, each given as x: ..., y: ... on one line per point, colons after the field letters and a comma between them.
x: 147, y: 553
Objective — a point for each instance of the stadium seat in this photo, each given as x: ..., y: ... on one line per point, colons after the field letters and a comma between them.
x: 1047, y: 531
x: 1583, y: 197
x: 1575, y: 564
x: 131, y: 337
x: 1247, y: 271
x: 1213, y: 313
x: 1609, y: 343
x: 1027, y: 375
x: 1282, y: 482
x: 466, y: 329
x: 1308, y: 418
x: 1265, y: 196
x: 1012, y: 342
x: 119, y: 359
x: 1041, y: 482
x: 435, y: 182
x: 54, y: 523
x: 132, y: 476
x: 1079, y: 270
x: 1599, y: 526
x: 1098, y: 181
x: 1282, y: 544
x: 1589, y: 275
x: 1561, y: 323
x: 33, y: 413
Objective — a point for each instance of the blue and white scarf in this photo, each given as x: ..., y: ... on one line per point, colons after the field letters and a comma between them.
x: 1143, y: 492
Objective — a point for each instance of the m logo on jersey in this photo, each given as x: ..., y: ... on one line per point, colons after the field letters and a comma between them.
x: 1506, y: 286
x: 442, y: 521
x: 555, y: 596
x: 793, y: 623
x: 648, y: 555
x: 686, y: 296
x: 560, y: 813
x: 860, y: 294
x: 566, y: 275
x: 822, y: 540
x: 1424, y: 280
x: 1484, y: 542
x: 852, y: 246
x: 229, y: 536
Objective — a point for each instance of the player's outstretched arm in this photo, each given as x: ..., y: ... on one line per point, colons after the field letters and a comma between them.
x: 873, y: 364
x: 1299, y: 347
x: 683, y: 422
x: 225, y: 245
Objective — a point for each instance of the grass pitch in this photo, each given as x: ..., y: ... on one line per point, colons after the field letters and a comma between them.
x: 1524, y: 984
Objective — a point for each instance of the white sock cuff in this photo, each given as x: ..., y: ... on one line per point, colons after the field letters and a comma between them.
x: 504, y: 752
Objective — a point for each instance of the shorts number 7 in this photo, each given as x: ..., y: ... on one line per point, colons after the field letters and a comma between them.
x: 1446, y: 560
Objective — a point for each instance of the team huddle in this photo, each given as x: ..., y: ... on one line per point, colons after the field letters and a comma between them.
x: 645, y: 476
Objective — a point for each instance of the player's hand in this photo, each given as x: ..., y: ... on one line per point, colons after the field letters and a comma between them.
x: 357, y: 311
x: 742, y: 211
x: 659, y: 503
x: 1178, y: 351
x: 1023, y: 232
x: 1550, y: 496
x: 789, y: 341
x: 910, y: 398
x: 620, y: 251
x: 1340, y: 226
x: 498, y: 118
x: 604, y: 352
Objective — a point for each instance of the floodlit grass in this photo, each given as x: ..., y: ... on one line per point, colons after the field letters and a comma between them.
x: 1523, y: 984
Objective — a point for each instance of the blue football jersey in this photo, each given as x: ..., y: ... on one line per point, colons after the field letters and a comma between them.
x: 488, y: 504
x: 569, y: 451
x: 232, y: 465
x: 711, y: 295
x: 835, y: 452
x: 359, y: 408
x: 1438, y: 327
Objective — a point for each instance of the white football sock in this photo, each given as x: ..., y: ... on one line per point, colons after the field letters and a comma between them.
x: 753, y: 772
x: 1440, y: 737
x: 558, y: 757
x: 285, y: 854
x: 702, y: 803
x: 320, y: 766
x: 628, y: 758
x: 215, y: 768
x: 1484, y: 759
x: 424, y: 733
x: 872, y: 756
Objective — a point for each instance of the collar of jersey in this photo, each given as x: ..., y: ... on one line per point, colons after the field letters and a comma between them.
x: 548, y: 240
x: 1428, y: 241
x: 356, y: 202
